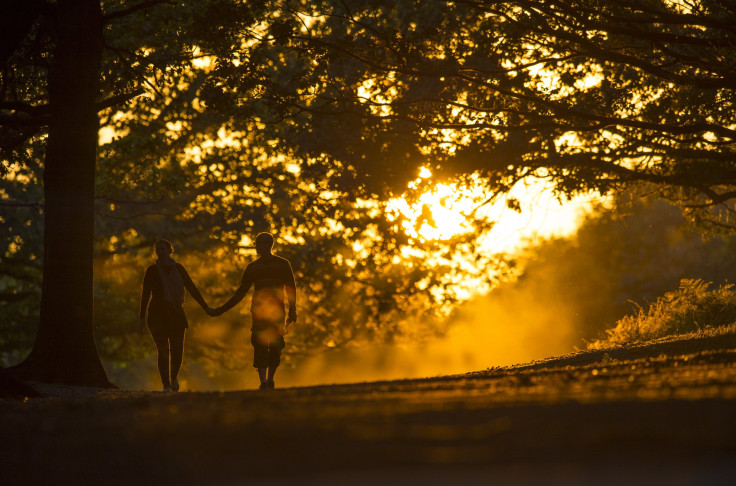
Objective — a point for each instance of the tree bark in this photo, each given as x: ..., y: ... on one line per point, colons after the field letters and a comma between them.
x: 65, y: 350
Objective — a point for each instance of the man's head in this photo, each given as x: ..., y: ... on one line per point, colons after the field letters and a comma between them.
x: 264, y: 243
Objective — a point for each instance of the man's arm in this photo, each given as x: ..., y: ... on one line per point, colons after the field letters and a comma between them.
x: 245, y: 284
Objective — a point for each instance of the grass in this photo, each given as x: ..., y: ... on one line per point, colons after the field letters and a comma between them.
x: 695, y: 307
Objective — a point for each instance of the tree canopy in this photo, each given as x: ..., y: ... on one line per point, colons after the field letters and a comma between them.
x: 220, y: 119
x: 174, y: 163
x: 588, y: 94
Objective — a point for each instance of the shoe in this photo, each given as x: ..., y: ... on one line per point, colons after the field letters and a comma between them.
x: 270, y: 384
x: 264, y: 386
x: 167, y: 389
x: 175, y: 385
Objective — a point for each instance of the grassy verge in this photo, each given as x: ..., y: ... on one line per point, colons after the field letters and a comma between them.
x: 694, y: 308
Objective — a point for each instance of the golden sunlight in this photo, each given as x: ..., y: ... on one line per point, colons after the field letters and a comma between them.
x: 438, y: 214
x: 490, y: 226
x: 542, y: 215
x: 451, y: 209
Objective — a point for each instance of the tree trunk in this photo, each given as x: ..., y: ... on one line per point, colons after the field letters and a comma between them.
x: 65, y: 350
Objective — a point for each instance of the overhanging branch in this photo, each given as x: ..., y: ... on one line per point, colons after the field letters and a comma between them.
x: 119, y: 99
x: 107, y: 18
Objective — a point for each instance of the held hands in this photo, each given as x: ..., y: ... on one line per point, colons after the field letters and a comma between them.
x: 213, y: 312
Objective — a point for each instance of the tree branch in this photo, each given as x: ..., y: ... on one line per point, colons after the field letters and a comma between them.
x: 135, y: 8
x: 118, y: 99
x: 141, y: 76
x: 24, y: 107
x: 21, y: 204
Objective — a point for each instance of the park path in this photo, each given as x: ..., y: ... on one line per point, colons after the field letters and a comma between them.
x: 654, y: 414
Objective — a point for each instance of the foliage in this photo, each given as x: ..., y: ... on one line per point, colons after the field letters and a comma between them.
x: 169, y: 167
x: 220, y: 119
x: 589, y: 94
x: 21, y: 254
x: 175, y: 170
x: 693, y: 307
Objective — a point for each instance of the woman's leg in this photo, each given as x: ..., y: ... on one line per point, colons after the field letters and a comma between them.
x: 162, y: 346
x: 177, y: 351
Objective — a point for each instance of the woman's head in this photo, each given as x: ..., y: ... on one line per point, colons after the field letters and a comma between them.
x: 163, y: 248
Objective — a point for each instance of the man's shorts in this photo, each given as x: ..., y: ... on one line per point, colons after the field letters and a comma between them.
x: 267, y: 345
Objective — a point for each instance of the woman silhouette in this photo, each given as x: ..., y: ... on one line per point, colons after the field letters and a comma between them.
x: 164, y: 286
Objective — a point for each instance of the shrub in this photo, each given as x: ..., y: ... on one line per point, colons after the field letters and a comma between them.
x: 691, y: 308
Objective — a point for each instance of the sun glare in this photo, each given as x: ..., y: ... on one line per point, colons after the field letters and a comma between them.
x: 450, y: 209
x: 464, y: 230
x: 438, y: 214
x: 541, y: 215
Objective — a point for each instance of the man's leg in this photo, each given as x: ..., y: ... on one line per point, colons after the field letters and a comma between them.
x: 276, y: 345
x: 260, y: 355
x: 271, y: 372
x: 262, y: 374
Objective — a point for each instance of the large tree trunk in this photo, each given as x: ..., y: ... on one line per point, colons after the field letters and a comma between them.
x: 65, y: 350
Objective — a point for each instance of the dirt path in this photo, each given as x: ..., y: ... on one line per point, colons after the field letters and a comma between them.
x: 656, y: 414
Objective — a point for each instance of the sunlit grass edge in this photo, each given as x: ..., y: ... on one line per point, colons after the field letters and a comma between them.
x: 694, y: 308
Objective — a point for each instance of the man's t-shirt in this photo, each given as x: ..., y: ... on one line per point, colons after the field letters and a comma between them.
x: 271, y: 277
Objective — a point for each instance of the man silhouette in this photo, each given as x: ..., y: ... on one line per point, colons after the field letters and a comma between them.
x: 271, y: 277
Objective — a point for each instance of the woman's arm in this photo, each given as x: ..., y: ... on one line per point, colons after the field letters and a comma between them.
x: 191, y: 288
x: 290, y: 287
x: 145, y: 298
x: 146, y: 294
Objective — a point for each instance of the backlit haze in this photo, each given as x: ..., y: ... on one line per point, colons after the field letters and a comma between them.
x: 482, y: 332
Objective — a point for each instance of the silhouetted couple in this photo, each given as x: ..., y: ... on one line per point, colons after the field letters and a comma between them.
x: 166, y: 282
